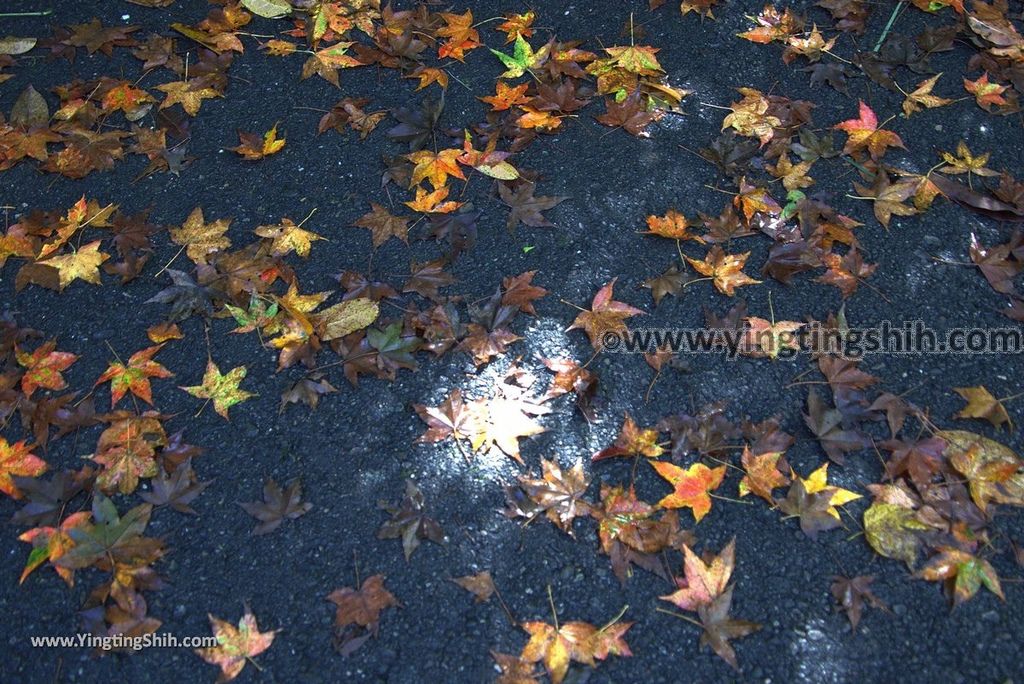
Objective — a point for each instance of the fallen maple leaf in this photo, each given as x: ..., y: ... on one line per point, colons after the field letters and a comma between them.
x: 522, y: 59
x: 516, y: 25
x: 852, y: 593
x: 632, y: 441
x: 894, y: 531
x: 672, y: 225
x: 668, y: 283
x: 409, y: 522
x: 254, y: 147
x: 706, y: 591
x: 815, y: 502
x: 514, y: 670
x: 557, y: 493
x: 177, y: 490
x: 383, y: 225
x: 986, y: 94
x: 127, y: 452
x: 357, y: 617
x: 963, y: 572
x: 81, y: 264
x: 43, y: 368
x: 981, y: 404
x: 481, y: 585
x: 199, y: 238
x: 993, y: 471
x: 287, y: 237
x: 763, y: 473
x: 489, y: 162
x: 189, y: 94
x: 692, y: 486
x: 222, y: 390
x: 235, y: 645
x: 134, y: 376
x: 435, y: 167
x: 864, y: 134
x: 922, y: 98
x: 762, y: 337
x: 277, y: 506
x: 506, y: 96
x: 50, y: 543
x: 605, y: 316
x: 749, y: 116
x: 17, y: 460
x: 557, y: 646
x: 111, y: 540
x: 720, y: 628
x: 726, y: 270
x: 526, y: 208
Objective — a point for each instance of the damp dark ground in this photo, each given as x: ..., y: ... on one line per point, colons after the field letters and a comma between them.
x: 357, y: 447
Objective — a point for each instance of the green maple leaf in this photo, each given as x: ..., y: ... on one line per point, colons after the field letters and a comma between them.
x: 522, y: 58
x: 222, y: 390
x: 111, y: 537
x: 257, y: 316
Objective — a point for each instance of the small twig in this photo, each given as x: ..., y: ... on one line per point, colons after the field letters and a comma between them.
x: 41, y: 13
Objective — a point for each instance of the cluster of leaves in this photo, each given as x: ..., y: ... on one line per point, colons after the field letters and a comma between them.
x: 64, y: 532
x: 894, y: 191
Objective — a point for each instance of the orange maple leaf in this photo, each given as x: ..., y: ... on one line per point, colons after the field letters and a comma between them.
x: 692, y: 486
x: 605, y: 315
x: 726, y: 270
x: 986, y: 94
x: 435, y: 167
x: 865, y: 134
x: 17, y: 460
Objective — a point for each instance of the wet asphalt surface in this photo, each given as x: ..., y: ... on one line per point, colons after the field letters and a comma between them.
x: 357, y: 447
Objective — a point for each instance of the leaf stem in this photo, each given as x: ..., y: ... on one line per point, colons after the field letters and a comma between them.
x: 680, y: 616
x: 554, y: 613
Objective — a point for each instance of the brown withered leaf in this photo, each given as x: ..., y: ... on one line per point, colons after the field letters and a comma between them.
x: 277, y: 506
x: 358, y: 613
x: 572, y: 377
x: 481, y: 585
x: 997, y: 265
x: 383, y: 225
x: 630, y: 115
x: 558, y: 494
x: 177, y: 490
x: 525, y: 208
x: 668, y: 283
x: 427, y: 278
x: 852, y: 594
x: 409, y: 521
x: 720, y: 628
x: 308, y: 391
x: 605, y: 316
x: 631, y: 533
